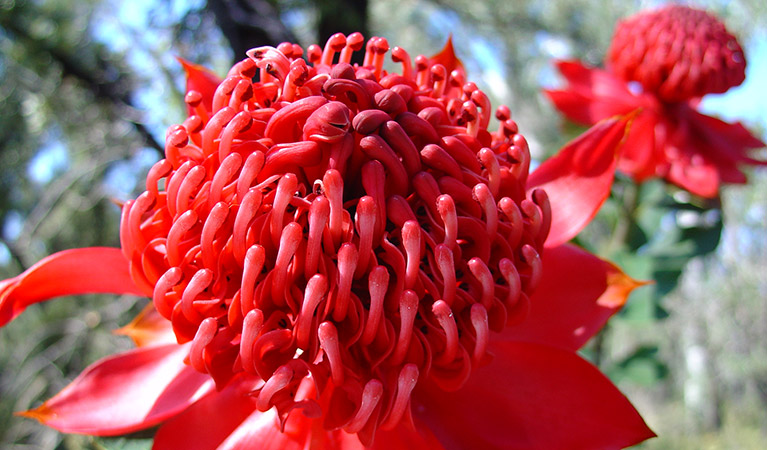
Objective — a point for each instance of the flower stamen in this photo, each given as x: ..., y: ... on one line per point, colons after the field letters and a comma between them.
x: 339, y: 234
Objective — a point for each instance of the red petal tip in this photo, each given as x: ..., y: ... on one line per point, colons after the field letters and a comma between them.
x: 447, y: 57
x: 578, y: 178
x: 619, y: 287
x: 148, y: 328
x: 42, y: 413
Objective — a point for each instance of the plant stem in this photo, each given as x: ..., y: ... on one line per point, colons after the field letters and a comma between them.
x: 626, y: 218
x: 619, y: 239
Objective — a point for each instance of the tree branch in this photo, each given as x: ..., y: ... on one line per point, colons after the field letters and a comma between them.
x: 249, y: 23
x: 116, y: 92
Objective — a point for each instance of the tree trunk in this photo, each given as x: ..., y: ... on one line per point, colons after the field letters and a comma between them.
x: 342, y: 16
x: 249, y: 23
x: 701, y: 394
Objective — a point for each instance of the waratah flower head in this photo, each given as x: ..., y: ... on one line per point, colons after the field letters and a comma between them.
x: 341, y: 232
x: 677, y: 52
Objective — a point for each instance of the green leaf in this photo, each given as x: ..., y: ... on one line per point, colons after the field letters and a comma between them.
x: 643, y: 367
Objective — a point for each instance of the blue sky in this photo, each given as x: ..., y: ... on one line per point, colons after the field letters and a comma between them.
x: 747, y: 102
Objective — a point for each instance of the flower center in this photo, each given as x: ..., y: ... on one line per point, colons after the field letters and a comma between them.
x: 339, y: 232
x: 678, y: 53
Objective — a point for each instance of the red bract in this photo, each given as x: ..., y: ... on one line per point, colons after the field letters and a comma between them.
x: 662, y: 62
x: 345, y: 258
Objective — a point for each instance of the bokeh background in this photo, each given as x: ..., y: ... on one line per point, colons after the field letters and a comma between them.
x: 88, y: 88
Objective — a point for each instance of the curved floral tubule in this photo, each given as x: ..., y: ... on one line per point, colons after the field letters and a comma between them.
x: 328, y: 248
x: 335, y: 230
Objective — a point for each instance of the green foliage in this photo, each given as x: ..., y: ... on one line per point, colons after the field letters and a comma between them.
x: 643, y: 366
x: 47, y: 347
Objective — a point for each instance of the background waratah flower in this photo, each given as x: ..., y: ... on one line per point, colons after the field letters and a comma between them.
x: 341, y: 257
x: 662, y: 62
x: 677, y: 52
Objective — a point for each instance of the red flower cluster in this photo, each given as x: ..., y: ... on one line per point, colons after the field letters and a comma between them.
x: 348, y: 257
x: 662, y: 62
x: 678, y: 53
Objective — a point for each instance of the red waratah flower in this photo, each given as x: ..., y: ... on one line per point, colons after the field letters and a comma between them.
x: 662, y: 62
x: 342, y: 257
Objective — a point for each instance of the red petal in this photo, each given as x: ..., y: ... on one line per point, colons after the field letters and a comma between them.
x: 576, y: 296
x: 71, y: 272
x: 207, y: 423
x: 403, y: 436
x: 447, y: 57
x: 533, y: 397
x: 242, y: 427
x: 261, y: 432
x: 202, y: 80
x: 729, y: 141
x: 125, y: 393
x: 642, y: 151
x: 700, y: 179
x: 707, y: 151
x: 574, y: 106
x: 593, y: 94
x: 149, y: 328
x: 578, y: 178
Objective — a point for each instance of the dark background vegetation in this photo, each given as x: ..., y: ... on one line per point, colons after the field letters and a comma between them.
x: 89, y: 87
